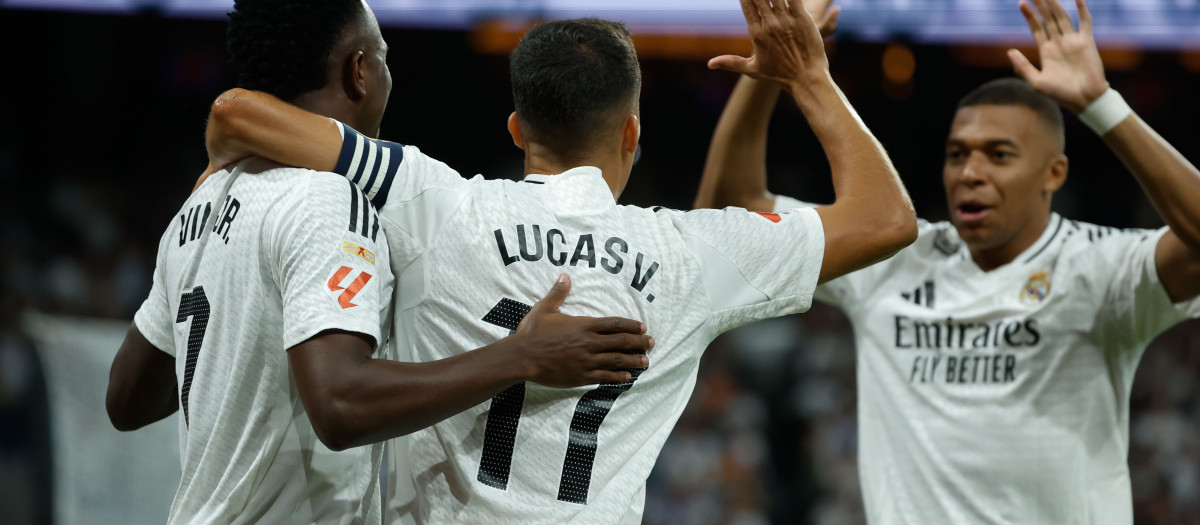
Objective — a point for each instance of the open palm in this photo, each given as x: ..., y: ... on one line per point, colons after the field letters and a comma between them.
x: 1072, y: 73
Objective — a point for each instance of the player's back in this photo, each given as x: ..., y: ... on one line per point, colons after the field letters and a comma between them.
x: 230, y: 267
x: 486, y: 250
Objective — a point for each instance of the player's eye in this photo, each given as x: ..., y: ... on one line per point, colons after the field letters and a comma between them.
x: 1003, y: 156
x: 955, y: 155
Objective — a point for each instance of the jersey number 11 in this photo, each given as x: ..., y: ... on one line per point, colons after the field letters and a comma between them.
x: 500, y: 432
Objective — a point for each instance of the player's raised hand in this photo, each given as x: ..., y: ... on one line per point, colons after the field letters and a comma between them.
x: 566, y: 351
x: 1072, y: 73
x: 787, y: 43
x: 825, y: 17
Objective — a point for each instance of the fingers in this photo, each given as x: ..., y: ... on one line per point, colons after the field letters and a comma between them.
x: 1035, y: 23
x: 1085, y: 17
x: 1022, y: 66
x: 556, y: 296
x: 606, y: 377
x: 750, y: 11
x: 1058, y: 22
x: 732, y: 63
x: 614, y: 325
x: 790, y: 7
x: 621, y: 342
x: 1043, y: 15
x: 817, y: 7
x: 1061, y: 17
x: 619, y: 361
x: 828, y: 23
x: 767, y: 13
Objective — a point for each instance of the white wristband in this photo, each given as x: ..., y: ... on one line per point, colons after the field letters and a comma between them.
x: 1106, y: 112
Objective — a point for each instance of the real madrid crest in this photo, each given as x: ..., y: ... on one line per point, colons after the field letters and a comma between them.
x: 1036, y: 289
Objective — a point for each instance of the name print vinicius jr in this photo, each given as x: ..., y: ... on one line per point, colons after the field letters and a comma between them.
x: 555, y: 248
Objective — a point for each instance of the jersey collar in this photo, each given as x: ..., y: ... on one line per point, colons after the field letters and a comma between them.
x: 538, y: 178
x: 584, y: 186
x: 1054, y: 231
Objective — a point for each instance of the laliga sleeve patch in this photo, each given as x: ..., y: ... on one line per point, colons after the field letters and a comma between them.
x: 349, y: 281
x: 776, y: 217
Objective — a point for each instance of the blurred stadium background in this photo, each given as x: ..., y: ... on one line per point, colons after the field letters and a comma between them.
x: 103, y: 108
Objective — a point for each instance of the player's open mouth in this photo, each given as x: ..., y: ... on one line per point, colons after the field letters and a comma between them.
x: 971, y: 212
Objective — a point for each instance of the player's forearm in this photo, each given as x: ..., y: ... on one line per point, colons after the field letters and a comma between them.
x: 382, y: 399
x: 868, y: 189
x: 141, y: 384
x: 245, y: 123
x: 1170, y: 181
x: 735, y: 173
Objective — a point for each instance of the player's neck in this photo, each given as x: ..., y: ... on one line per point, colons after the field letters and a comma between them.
x: 990, y: 258
x: 328, y: 104
x: 542, y: 161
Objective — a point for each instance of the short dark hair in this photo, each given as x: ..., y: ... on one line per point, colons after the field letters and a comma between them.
x: 568, y: 78
x: 282, y: 47
x: 1012, y: 91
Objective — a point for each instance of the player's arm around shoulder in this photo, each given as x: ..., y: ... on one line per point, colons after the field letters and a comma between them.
x: 243, y: 123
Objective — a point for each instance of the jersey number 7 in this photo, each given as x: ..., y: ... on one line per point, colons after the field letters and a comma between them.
x: 194, y: 305
x: 500, y: 433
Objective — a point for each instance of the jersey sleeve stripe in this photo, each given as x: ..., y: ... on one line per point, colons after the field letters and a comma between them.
x: 371, y: 150
x: 366, y: 216
x: 375, y: 226
x: 351, y: 155
x: 353, y: 206
x: 379, y: 196
x: 380, y: 159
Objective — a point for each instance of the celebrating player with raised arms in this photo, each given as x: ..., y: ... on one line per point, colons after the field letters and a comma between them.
x: 272, y: 292
x: 996, y: 354
x: 468, y: 255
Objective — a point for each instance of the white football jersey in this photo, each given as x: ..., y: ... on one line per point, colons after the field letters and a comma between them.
x: 259, y: 260
x: 1002, y: 397
x: 471, y: 256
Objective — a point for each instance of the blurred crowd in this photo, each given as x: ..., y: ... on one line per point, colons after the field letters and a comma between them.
x: 94, y: 170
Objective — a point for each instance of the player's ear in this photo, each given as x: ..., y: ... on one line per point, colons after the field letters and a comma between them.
x: 514, y: 129
x: 1057, y: 175
x: 354, y: 79
x: 631, y: 132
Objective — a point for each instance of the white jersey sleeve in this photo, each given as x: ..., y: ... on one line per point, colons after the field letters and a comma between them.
x: 330, y: 258
x: 837, y: 292
x: 1136, y: 308
x: 755, y: 265
x: 848, y: 290
x: 153, y: 319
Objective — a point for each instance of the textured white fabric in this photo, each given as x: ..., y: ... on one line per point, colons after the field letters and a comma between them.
x: 1002, y: 397
x: 257, y: 261
x: 467, y: 252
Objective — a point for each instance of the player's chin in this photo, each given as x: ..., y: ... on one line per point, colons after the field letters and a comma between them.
x: 974, y: 232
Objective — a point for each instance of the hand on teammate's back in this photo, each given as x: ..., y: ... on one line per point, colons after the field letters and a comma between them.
x: 787, y: 43
x: 566, y: 351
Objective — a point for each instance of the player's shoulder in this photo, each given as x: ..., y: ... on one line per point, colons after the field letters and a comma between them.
x: 1082, y: 237
x: 935, y: 241
x: 1092, y: 233
x: 298, y: 183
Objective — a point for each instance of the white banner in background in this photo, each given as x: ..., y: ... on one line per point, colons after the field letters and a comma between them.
x: 101, y: 476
